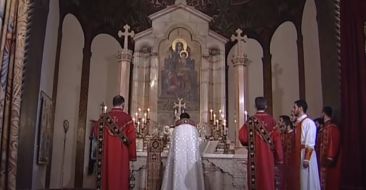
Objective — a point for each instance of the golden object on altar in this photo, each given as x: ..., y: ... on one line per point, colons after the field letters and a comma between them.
x: 103, y: 107
x: 154, y: 160
x: 219, y: 132
x: 141, y: 120
x: 218, y: 125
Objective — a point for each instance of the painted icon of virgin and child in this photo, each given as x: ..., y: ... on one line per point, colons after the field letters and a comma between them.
x: 178, y: 74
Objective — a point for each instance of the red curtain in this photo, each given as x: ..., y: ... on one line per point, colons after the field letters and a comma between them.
x: 353, y: 94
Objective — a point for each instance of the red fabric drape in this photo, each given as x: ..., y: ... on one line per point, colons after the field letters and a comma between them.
x: 353, y: 94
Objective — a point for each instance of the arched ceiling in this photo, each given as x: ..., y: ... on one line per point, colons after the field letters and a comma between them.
x: 254, y: 16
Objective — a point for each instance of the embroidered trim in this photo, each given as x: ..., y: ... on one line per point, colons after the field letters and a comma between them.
x: 254, y: 125
x: 106, y: 121
x: 184, y: 121
x: 251, y: 153
x: 100, y: 155
x: 264, y: 134
x: 113, y: 128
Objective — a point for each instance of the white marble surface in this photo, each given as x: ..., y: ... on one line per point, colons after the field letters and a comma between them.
x: 221, y: 171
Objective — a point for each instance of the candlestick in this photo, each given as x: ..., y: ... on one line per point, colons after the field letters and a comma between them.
x: 148, y: 113
x: 138, y: 127
x: 141, y: 121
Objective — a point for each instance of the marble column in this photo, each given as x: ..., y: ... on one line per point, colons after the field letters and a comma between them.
x: 153, y: 88
x: 241, y: 95
x: 218, y: 79
x: 140, y: 81
x: 124, y: 75
x: 204, y: 89
x: 241, y: 74
x: 126, y: 57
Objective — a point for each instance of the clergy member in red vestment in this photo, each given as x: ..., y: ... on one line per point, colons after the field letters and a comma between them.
x: 263, y: 139
x: 288, y: 140
x: 304, y: 165
x: 329, y: 148
x: 117, y: 154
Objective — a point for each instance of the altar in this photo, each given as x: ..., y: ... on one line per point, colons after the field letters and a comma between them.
x: 180, y: 65
x: 221, y: 171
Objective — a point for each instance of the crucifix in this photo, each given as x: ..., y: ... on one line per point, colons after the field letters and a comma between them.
x: 125, y: 35
x: 179, y: 108
x: 241, y: 40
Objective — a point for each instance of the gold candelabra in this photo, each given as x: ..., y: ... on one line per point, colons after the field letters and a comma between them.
x: 218, y: 124
x: 142, y: 120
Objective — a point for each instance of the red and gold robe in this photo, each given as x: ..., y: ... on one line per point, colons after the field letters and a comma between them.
x: 287, y: 176
x: 117, y: 155
x: 266, y: 150
x: 329, y: 158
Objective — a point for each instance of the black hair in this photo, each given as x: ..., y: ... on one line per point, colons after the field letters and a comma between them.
x: 260, y: 103
x: 118, y: 100
x: 302, y: 103
x: 184, y: 116
x: 287, y: 120
x: 328, y: 111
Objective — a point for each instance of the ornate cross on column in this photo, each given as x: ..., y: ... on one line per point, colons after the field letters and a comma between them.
x: 179, y: 108
x: 241, y: 40
x: 240, y: 62
x: 125, y: 35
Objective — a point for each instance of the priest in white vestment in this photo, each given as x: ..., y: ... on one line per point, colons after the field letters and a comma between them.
x: 184, y: 170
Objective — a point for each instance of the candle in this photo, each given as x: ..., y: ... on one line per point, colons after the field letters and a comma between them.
x: 148, y: 113
x: 211, y: 114
x: 138, y: 126
x: 214, y: 117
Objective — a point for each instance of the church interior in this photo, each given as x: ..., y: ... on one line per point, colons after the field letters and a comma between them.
x: 64, y: 61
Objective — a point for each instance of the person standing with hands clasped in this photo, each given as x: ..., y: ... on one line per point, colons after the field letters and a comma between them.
x: 305, y: 160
